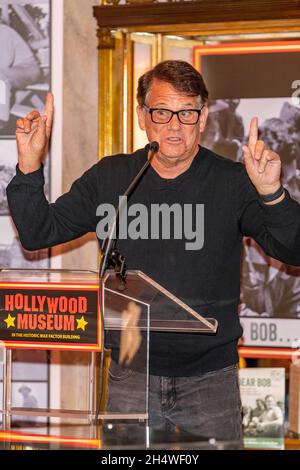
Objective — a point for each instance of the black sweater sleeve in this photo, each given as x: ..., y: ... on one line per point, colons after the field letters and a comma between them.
x: 276, y: 228
x: 41, y: 224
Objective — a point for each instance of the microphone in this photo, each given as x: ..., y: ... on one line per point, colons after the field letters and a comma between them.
x: 110, y: 257
x: 154, y: 146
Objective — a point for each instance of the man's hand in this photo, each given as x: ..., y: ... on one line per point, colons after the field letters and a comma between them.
x: 263, y: 165
x: 33, y: 134
x: 131, y: 337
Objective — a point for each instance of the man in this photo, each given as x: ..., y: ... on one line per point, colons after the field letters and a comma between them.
x: 193, y: 381
x: 270, y: 422
x: 29, y: 401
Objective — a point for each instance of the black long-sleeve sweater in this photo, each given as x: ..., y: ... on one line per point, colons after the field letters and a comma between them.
x: 207, y: 279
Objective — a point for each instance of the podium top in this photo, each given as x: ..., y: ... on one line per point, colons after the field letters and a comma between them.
x: 168, y: 312
x: 49, y: 276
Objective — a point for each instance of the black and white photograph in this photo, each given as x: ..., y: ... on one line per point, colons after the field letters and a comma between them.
x: 265, y: 419
x: 29, y: 395
x: 263, y: 402
x: 24, y: 59
x: 269, y: 288
x: 30, y: 382
x: 13, y: 255
x: 8, y: 161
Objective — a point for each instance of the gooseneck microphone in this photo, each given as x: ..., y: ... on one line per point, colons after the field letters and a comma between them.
x: 154, y: 146
x: 110, y: 258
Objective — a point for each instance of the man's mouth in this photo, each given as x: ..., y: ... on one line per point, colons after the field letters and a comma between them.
x: 174, y: 140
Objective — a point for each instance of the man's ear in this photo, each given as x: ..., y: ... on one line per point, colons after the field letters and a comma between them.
x: 203, y: 118
x: 141, y: 117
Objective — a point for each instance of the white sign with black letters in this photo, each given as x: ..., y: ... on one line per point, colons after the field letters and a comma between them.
x: 271, y: 332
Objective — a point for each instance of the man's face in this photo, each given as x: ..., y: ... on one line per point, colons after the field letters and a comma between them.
x: 270, y: 403
x: 177, y: 141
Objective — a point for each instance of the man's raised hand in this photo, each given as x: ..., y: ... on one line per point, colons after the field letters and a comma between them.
x: 262, y: 164
x: 33, y: 134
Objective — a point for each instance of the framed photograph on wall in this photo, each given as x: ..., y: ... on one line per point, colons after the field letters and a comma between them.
x: 29, y: 395
x: 8, y: 161
x: 259, y: 79
x: 24, y: 82
x: 30, y: 384
x: 13, y: 255
x: 24, y: 60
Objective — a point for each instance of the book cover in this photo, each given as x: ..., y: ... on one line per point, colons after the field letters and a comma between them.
x: 263, y: 397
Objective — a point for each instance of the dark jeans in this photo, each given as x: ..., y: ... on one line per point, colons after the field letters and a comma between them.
x: 208, y: 405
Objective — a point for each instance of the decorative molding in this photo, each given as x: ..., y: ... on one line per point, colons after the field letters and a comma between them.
x: 105, y: 39
x: 202, y: 11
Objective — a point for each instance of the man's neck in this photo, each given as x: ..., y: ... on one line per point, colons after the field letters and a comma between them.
x: 170, y: 168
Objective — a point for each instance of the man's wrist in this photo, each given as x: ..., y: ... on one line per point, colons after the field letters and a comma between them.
x: 276, y: 201
x: 26, y: 169
x: 272, y: 196
x: 266, y: 190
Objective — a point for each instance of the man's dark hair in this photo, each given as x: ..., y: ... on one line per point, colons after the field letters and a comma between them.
x: 180, y: 74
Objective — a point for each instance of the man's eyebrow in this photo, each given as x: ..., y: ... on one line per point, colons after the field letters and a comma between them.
x: 165, y: 104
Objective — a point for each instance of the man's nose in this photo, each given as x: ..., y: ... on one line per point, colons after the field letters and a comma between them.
x: 174, y: 123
